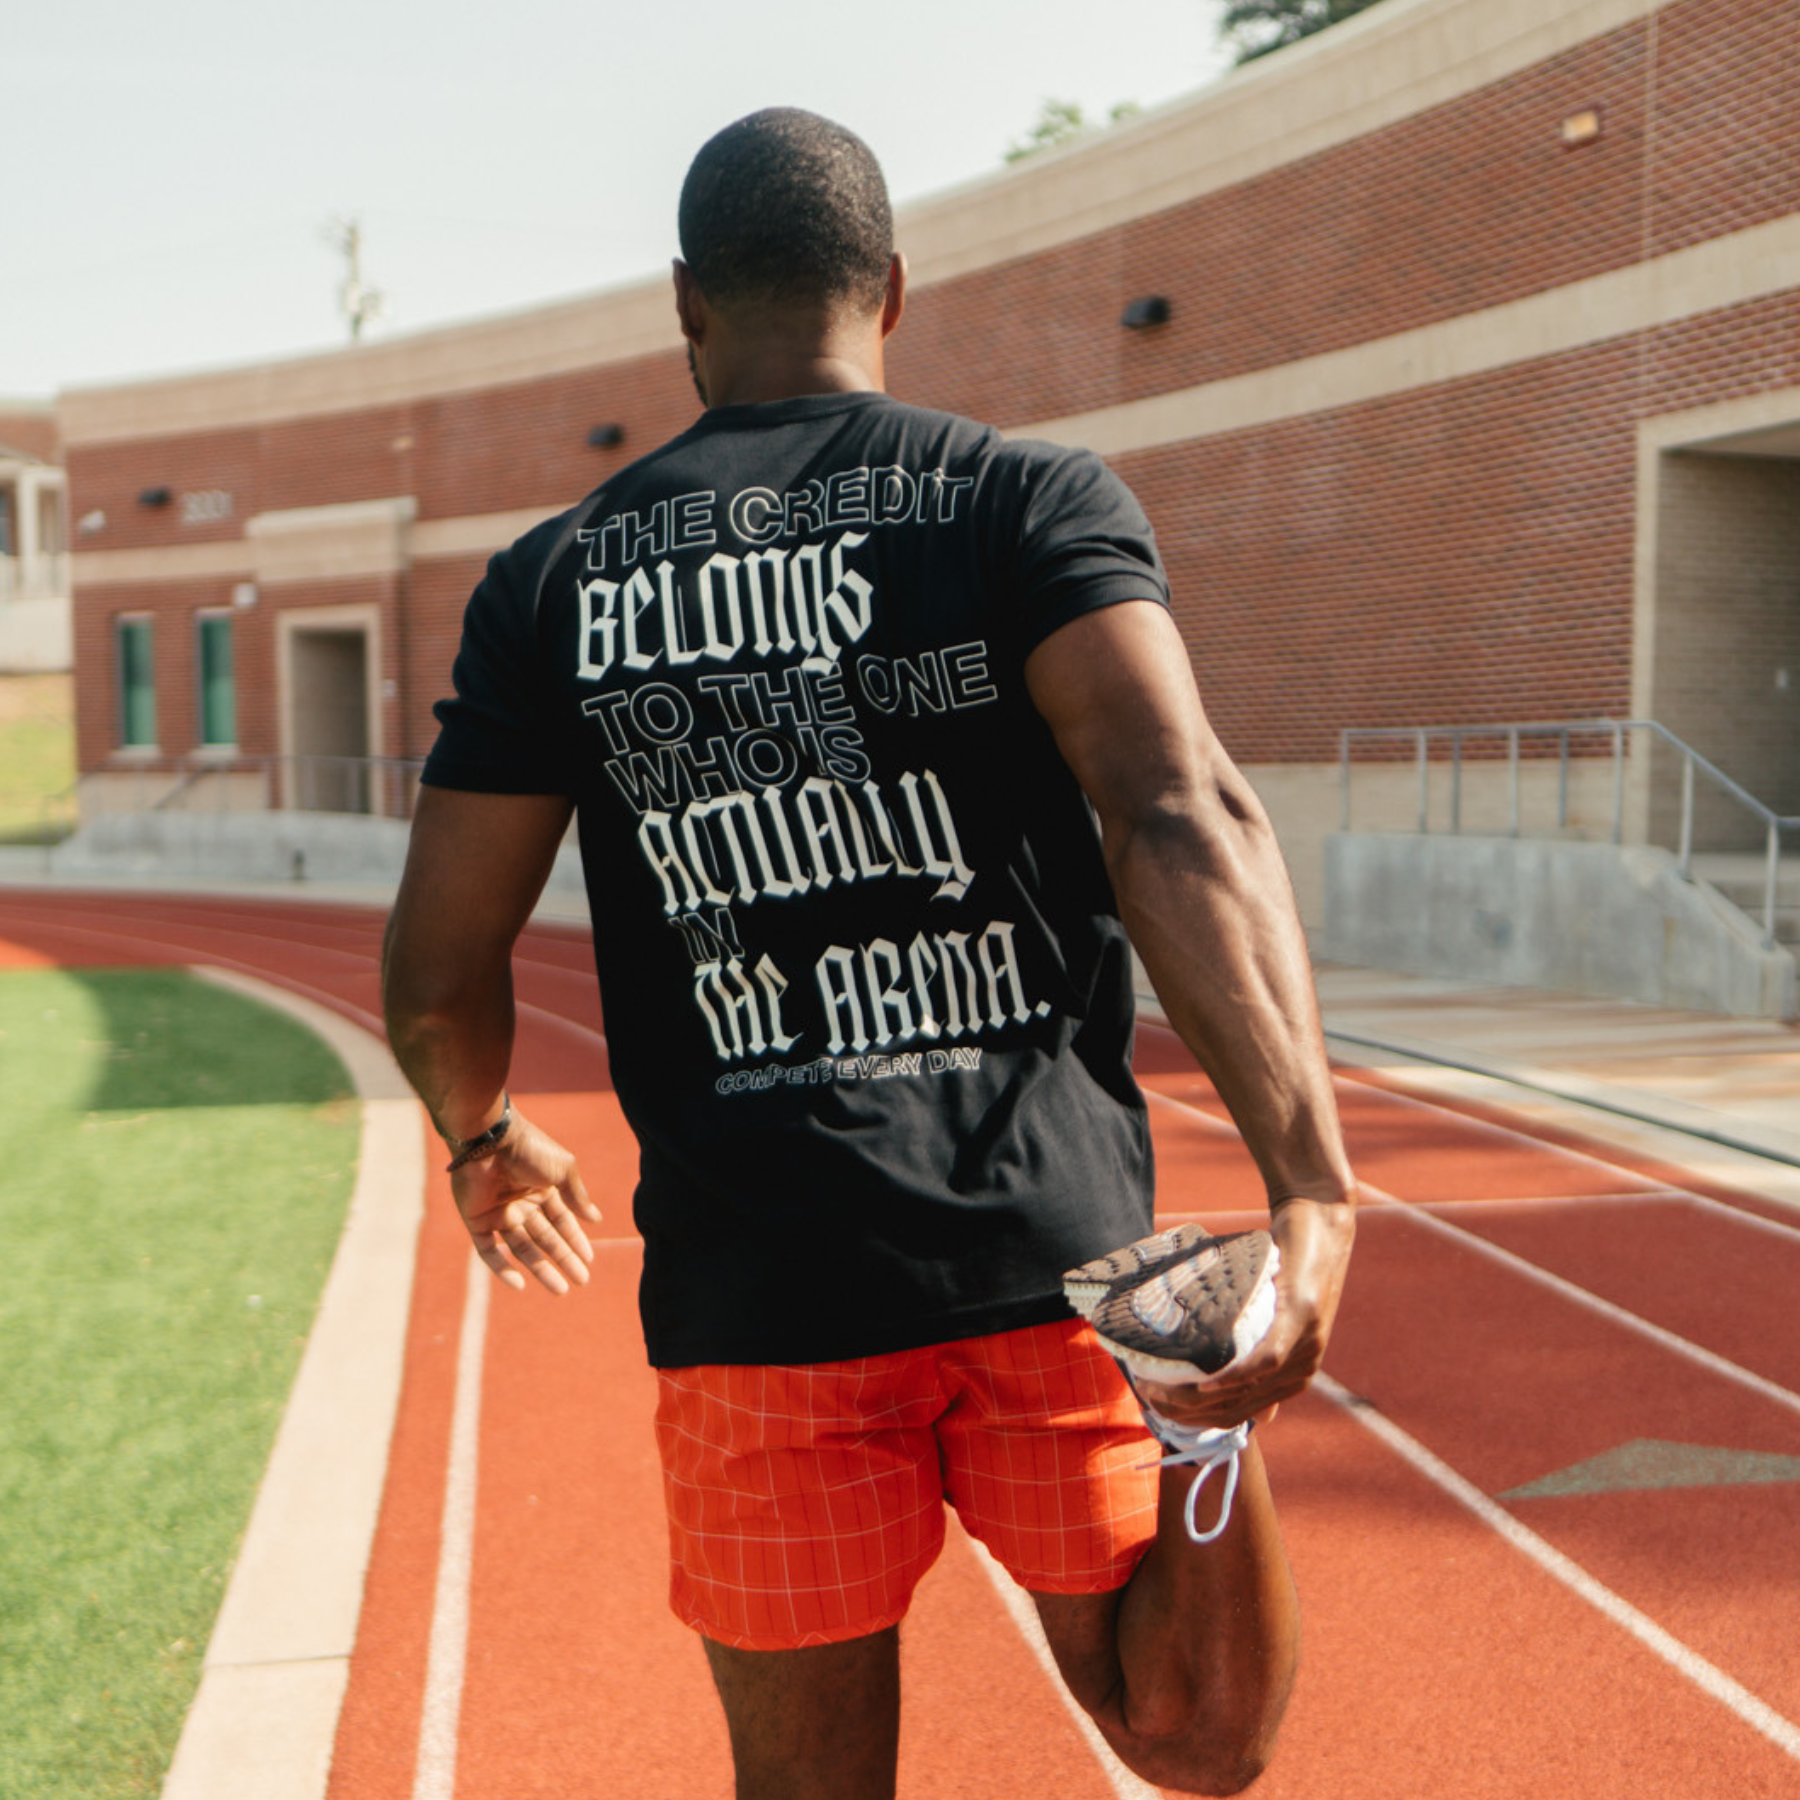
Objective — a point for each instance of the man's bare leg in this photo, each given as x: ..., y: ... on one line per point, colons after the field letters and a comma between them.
x: 815, y: 1724
x: 1188, y: 1667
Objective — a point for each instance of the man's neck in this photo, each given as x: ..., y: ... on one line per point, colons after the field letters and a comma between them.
x: 787, y: 379
x: 781, y: 360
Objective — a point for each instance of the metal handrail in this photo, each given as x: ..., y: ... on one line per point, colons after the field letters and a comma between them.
x: 378, y: 785
x: 50, y: 807
x: 1422, y: 737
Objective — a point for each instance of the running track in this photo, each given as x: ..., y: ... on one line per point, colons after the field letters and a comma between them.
x: 1522, y: 1312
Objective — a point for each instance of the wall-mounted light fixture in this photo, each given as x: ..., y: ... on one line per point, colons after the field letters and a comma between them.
x: 155, y: 496
x: 606, y: 437
x: 91, y: 522
x: 1581, y: 127
x: 1145, y: 311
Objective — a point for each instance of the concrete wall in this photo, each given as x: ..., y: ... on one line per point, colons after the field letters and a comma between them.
x: 1582, y: 918
x: 36, y: 636
x: 1305, y: 801
x: 278, y: 846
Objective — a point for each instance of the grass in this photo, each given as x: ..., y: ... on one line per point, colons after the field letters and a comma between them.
x: 177, y: 1173
x: 37, y: 753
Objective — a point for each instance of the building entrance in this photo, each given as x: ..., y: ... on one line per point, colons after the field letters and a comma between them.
x: 1727, y: 632
x: 328, y: 701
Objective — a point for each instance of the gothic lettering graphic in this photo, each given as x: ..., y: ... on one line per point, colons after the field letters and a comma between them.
x: 723, y: 643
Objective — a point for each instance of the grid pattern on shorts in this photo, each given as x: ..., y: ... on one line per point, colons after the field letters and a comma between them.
x: 1047, y: 1461
x: 805, y: 1503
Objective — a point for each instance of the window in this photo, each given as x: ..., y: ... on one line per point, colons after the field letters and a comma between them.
x: 217, y: 685
x: 137, y: 685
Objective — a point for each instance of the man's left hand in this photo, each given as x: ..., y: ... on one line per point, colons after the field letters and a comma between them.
x: 521, y: 1206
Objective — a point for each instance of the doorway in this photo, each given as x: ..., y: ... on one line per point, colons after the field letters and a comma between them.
x: 1727, y: 677
x: 329, y: 687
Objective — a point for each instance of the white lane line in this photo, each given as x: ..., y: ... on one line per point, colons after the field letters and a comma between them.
x: 1591, y: 1302
x: 1708, y: 1677
x: 1519, y: 1135
x: 1741, y: 1215
x: 1222, y: 1127
x: 1024, y: 1615
x: 434, y: 1774
x: 1568, y: 1290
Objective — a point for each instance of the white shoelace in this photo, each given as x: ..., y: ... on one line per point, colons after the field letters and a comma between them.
x: 1210, y: 1450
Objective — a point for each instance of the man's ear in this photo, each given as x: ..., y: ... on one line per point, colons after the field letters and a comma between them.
x: 893, y: 302
x: 690, y: 303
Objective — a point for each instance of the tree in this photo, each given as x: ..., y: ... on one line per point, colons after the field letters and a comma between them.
x: 1255, y: 27
x: 1062, y: 122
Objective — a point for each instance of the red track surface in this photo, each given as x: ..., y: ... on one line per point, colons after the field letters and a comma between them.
x: 1441, y: 1661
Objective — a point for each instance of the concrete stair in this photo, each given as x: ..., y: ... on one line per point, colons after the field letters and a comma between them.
x: 1739, y: 877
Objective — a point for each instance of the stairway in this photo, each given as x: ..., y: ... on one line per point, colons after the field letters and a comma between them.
x: 1740, y: 877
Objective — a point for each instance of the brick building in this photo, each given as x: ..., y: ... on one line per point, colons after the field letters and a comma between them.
x: 1477, y: 399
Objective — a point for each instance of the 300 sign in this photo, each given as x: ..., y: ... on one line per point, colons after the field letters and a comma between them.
x: 205, y: 507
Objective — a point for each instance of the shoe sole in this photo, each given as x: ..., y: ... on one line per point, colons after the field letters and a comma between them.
x: 1136, y: 1330
x: 1086, y: 1287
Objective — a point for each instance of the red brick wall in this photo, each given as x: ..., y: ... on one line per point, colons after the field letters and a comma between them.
x: 440, y: 590
x: 1727, y: 119
x: 31, y: 431
x: 1470, y: 204
x: 173, y: 606
x: 173, y: 646
x: 1436, y: 557
x: 502, y: 448
x: 110, y: 478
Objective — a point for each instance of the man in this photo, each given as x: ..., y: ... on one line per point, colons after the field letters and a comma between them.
x: 832, y: 683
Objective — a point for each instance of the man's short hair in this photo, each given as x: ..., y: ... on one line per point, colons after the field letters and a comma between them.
x: 785, y: 207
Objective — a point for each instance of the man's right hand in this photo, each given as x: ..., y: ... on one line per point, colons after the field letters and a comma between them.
x: 1315, y: 1240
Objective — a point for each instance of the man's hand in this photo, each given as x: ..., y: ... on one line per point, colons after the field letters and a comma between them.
x: 1314, y: 1238
x: 520, y: 1206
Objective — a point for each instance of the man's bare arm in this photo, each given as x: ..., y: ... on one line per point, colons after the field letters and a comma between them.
x: 1205, y: 896
x: 474, y: 869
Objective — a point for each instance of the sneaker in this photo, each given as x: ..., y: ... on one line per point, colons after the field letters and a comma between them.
x: 1087, y: 1286
x: 1191, y: 1319
x: 1187, y: 1322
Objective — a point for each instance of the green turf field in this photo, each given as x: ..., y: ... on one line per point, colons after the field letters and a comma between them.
x: 178, y: 1166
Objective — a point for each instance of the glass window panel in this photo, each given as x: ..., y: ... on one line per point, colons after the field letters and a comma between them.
x: 137, y: 684
x: 218, y: 686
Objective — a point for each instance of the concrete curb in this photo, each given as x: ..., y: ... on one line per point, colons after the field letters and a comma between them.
x: 1661, y: 1110
x: 21, y: 870
x: 1709, y: 1145
x: 264, y: 1722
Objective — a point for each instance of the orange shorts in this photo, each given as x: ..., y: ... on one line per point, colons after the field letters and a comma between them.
x: 806, y: 1501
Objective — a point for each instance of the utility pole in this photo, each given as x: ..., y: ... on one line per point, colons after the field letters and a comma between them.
x: 359, y: 304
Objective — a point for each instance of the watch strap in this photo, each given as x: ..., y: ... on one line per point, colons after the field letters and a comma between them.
x: 467, y: 1150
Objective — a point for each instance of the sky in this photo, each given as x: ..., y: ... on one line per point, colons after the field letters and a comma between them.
x: 170, y: 174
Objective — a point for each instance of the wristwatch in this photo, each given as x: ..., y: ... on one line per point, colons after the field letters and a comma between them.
x: 468, y: 1150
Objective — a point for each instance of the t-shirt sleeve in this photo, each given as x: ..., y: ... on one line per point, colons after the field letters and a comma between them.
x: 1084, y: 543
x: 495, y: 733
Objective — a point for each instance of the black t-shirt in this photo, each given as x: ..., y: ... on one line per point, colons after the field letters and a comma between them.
x: 867, y: 997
